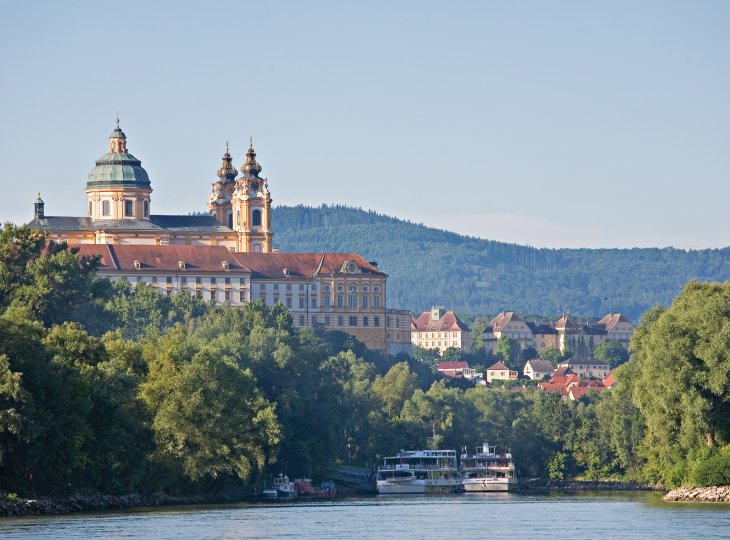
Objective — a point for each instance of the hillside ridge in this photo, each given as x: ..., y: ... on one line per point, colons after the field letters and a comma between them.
x: 429, y: 266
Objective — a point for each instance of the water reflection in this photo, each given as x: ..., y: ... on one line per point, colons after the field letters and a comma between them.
x: 473, y: 515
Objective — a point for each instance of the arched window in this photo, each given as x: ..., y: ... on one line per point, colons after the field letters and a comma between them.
x: 229, y: 219
x: 352, y: 296
x: 146, y: 209
x: 256, y: 218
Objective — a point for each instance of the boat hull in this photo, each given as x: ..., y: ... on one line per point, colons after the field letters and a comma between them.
x: 417, y: 487
x: 489, y: 484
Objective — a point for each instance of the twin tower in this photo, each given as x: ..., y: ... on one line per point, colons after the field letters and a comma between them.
x: 243, y: 204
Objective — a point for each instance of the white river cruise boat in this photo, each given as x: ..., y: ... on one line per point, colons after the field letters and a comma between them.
x: 419, y: 471
x: 487, y: 470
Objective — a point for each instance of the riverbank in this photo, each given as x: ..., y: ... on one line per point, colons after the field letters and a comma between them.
x: 89, y: 502
x: 583, y: 485
x: 720, y: 494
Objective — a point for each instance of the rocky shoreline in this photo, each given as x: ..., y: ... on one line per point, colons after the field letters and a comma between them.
x: 89, y: 502
x: 720, y: 494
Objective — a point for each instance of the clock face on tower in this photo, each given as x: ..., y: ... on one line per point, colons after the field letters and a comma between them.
x: 254, y: 186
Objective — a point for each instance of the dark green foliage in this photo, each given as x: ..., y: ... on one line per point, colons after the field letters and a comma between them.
x: 712, y: 471
x: 431, y: 267
x: 611, y: 352
x: 681, y: 380
x: 122, y: 389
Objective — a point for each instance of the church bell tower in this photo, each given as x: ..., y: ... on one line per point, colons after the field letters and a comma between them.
x: 219, y: 203
x: 251, y: 208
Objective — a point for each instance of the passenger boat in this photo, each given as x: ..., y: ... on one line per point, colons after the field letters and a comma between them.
x: 419, y: 471
x: 284, y: 488
x: 487, y: 470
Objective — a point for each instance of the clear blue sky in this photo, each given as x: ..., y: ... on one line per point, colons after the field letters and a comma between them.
x: 556, y: 124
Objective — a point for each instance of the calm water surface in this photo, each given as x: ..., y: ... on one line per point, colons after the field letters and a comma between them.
x: 513, y: 515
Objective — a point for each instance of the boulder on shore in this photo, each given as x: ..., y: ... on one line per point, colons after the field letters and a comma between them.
x: 719, y: 494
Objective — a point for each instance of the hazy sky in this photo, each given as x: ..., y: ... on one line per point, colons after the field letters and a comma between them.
x: 557, y: 124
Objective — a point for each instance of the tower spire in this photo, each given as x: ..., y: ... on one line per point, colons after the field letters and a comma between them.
x: 227, y: 171
x: 117, y: 140
x: 250, y: 166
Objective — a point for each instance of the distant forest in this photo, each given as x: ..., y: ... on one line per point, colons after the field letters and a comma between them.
x: 428, y: 266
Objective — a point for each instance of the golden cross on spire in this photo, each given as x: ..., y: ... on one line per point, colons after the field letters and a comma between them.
x: 117, y: 118
x: 250, y: 142
x: 227, y: 147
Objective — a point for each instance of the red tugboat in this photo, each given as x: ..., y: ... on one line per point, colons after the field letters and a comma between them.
x: 303, y: 487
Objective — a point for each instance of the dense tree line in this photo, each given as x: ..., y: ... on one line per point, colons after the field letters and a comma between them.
x: 429, y: 267
x: 120, y: 388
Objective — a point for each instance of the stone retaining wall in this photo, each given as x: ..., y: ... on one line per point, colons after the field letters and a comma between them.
x: 699, y: 494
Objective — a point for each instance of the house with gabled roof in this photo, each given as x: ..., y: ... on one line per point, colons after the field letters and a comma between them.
x: 590, y: 367
x: 440, y: 329
x: 500, y: 372
x: 538, y: 369
x: 453, y: 369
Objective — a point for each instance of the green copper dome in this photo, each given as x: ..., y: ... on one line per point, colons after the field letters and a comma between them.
x: 118, y: 168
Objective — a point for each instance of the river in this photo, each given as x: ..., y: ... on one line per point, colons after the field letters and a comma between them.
x: 575, y: 515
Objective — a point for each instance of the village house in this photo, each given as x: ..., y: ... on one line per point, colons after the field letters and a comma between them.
x: 589, y: 368
x: 500, y: 372
x: 454, y: 369
x: 537, y: 369
x: 439, y: 329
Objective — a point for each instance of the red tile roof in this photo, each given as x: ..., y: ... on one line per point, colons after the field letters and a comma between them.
x: 567, y: 323
x: 609, y: 381
x: 561, y: 371
x: 307, y: 265
x: 448, y: 322
x: 503, y: 319
x: 565, y: 379
x: 499, y: 366
x: 452, y: 366
x: 611, y: 320
x: 578, y: 392
x: 121, y: 258
x: 551, y: 388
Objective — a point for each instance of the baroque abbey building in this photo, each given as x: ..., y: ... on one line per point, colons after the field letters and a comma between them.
x: 225, y: 256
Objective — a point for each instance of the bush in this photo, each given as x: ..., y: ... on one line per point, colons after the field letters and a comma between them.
x: 713, y: 471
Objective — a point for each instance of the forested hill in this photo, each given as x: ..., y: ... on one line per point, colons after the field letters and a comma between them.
x: 433, y: 267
